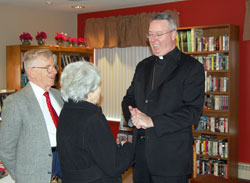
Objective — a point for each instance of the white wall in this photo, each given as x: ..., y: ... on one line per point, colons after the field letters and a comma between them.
x: 16, y: 20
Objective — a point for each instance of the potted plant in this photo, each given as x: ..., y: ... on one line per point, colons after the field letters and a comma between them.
x: 40, y: 37
x: 60, y: 38
x: 82, y: 41
x: 25, y: 38
x: 71, y: 41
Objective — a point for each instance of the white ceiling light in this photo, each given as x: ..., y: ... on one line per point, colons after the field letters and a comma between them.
x: 78, y: 7
x: 49, y: 3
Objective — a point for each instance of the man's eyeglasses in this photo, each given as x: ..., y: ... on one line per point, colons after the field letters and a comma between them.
x: 157, y: 35
x: 49, y: 68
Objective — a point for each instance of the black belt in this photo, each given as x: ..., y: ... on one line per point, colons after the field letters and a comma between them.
x: 53, y: 149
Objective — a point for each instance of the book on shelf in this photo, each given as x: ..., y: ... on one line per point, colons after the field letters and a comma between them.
x: 214, y: 167
x: 24, y: 79
x: 216, y: 102
x: 216, y: 84
x: 124, y: 136
x: 67, y: 59
x: 211, y: 146
x: 194, y: 34
x: 183, y: 41
x: 212, y: 62
x: 189, y: 46
x: 177, y: 40
x: 212, y: 124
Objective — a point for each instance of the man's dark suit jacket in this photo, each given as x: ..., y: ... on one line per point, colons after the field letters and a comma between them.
x: 174, y: 104
x: 87, y: 149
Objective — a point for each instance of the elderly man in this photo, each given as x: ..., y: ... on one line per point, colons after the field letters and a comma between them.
x: 29, y: 119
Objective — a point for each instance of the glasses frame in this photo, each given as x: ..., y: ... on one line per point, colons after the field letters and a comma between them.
x: 157, y: 35
x: 49, y: 68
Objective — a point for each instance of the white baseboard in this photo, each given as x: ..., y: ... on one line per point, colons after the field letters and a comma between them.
x: 244, y: 171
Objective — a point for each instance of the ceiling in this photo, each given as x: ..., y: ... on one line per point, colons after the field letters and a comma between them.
x: 90, y: 5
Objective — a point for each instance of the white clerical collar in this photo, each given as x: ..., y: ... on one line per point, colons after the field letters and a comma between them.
x: 161, y: 57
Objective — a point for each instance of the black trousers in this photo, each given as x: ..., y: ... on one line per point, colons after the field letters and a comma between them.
x: 141, y: 173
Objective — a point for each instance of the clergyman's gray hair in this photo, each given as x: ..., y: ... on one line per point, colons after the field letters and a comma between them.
x: 78, y: 79
x: 32, y: 57
x: 169, y: 18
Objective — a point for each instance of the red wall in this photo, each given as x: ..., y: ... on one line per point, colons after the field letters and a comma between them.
x: 114, y: 126
x: 204, y: 12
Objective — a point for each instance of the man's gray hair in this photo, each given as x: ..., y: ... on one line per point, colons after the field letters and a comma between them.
x: 78, y: 79
x: 169, y: 18
x: 32, y: 57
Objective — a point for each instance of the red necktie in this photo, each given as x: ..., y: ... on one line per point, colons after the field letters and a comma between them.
x: 51, y: 109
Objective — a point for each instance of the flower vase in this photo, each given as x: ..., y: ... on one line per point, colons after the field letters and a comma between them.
x: 41, y: 42
x: 70, y: 44
x: 80, y: 44
x: 26, y: 42
x: 59, y: 42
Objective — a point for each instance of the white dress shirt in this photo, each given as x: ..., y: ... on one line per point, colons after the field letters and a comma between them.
x: 43, y: 105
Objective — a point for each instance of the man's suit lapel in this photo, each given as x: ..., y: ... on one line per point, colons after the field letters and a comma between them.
x: 32, y: 101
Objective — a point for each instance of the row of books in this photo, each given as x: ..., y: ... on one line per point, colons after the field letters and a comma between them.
x: 212, y: 167
x: 193, y: 40
x: 67, y: 59
x: 216, y: 102
x: 213, y: 62
x: 212, y: 43
x: 211, y: 147
x: 216, y: 84
x: 213, y: 124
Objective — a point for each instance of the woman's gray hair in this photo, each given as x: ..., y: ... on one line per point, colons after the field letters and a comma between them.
x: 32, y: 57
x: 78, y: 79
x: 169, y: 18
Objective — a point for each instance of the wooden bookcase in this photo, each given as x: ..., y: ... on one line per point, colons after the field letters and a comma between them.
x: 14, y: 68
x: 218, y: 127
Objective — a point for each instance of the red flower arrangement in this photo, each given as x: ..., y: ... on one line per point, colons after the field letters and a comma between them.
x: 41, y: 35
x: 25, y: 35
x: 82, y: 41
x: 61, y: 36
x: 72, y: 40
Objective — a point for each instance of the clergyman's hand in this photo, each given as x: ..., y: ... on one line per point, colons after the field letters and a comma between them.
x: 140, y: 119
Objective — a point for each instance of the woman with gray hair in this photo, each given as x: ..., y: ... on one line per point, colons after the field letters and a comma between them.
x: 87, y: 149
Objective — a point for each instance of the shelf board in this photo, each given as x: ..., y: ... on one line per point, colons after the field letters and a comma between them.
x: 206, y: 52
x: 199, y: 132
x: 7, y: 91
x: 211, y: 157
x: 224, y: 112
x: 216, y: 93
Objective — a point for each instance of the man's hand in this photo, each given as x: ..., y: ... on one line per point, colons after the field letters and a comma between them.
x: 140, y: 119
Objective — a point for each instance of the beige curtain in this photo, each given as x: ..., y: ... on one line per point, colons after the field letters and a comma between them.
x: 246, y: 32
x: 121, y: 31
